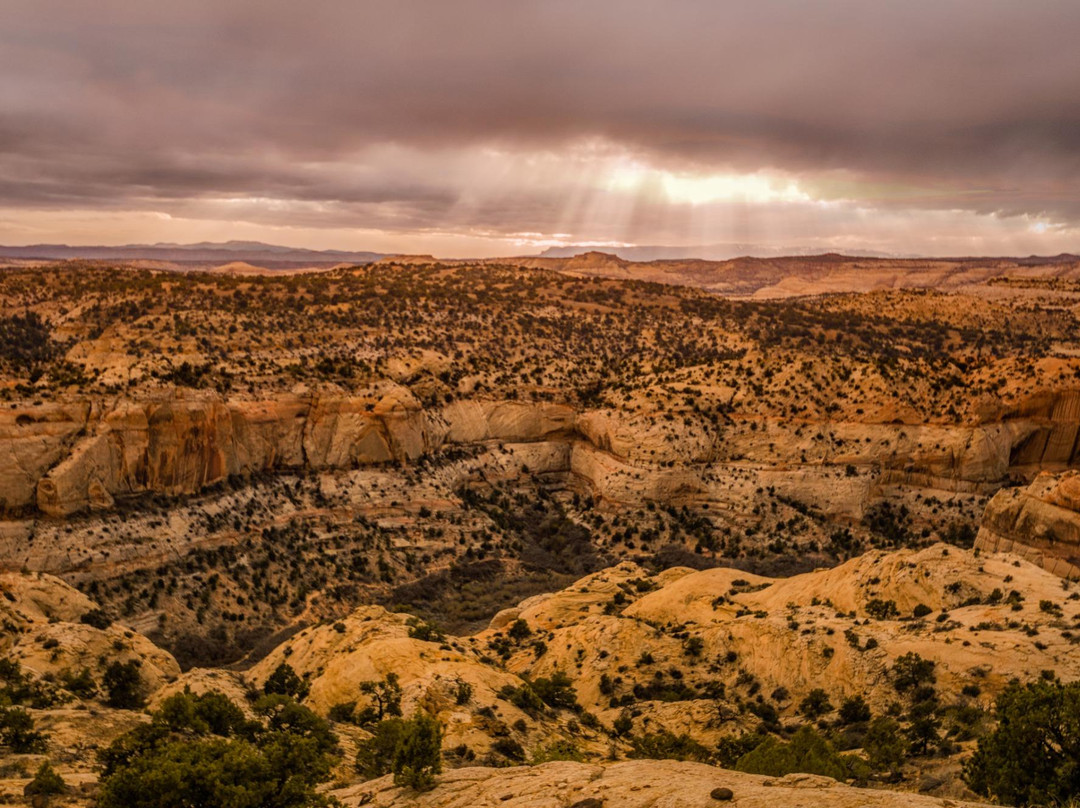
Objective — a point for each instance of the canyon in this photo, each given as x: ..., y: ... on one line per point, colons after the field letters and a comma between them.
x: 692, y: 521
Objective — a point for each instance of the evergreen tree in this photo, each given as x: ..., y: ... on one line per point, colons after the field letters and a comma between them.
x: 1033, y: 756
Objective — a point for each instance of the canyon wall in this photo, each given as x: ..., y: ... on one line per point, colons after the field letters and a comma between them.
x: 69, y: 457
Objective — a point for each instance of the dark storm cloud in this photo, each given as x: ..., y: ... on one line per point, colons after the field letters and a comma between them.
x: 973, y: 104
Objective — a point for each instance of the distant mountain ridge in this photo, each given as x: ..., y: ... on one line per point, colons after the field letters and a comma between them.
x: 254, y: 252
x: 704, y: 252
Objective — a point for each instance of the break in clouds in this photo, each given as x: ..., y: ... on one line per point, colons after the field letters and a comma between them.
x: 490, y: 127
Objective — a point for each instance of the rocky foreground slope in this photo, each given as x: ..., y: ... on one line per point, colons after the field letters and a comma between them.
x: 623, y: 658
x: 693, y: 652
x: 633, y: 784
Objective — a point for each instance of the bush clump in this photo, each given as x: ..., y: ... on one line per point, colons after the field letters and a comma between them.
x: 807, y: 752
x: 201, y: 750
x: 411, y: 749
x: 1033, y: 756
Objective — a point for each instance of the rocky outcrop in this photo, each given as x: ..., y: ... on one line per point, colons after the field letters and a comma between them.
x: 345, y: 432
x: 33, y: 438
x: 620, y: 631
x: 1040, y: 522
x: 371, y: 644
x: 799, y: 633
x: 44, y: 633
x: 618, y: 481
x: 655, y: 440
x: 175, y: 445
x: 1052, y: 436
x: 629, y: 784
x: 511, y: 421
x: 182, y: 443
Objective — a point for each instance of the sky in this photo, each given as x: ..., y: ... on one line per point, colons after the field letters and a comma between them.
x: 502, y: 127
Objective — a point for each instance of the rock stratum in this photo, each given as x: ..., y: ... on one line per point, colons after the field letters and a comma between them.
x: 64, y: 458
x: 1040, y: 522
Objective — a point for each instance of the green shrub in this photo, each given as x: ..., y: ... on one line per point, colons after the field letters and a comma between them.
x: 1033, y: 756
x: 124, y: 685
x: 410, y: 749
x: 463, y: 693
x: 46, y: 782
x: 422, y: 630
x: 375, y: 755
x: 284, y: 681
x: 385, y: 695
x: 96, y: 618
x: 854, y: 710
x: 807, y: 752
x: 509, y: 749
x: 815, y: 704
x: 730, y: 749
x: 557, y: 750
x: 343, y: 712
x: 523, y: 697
x: 885, y: 746
x: 882, y: 609
x: 200, y: 750
x: 419, y: 756
x: 910, y: 671
x: 557, y: 691
x: 17, y: 732
x: 519, y: 630
x: 669, y: 746
x: 81, y: 683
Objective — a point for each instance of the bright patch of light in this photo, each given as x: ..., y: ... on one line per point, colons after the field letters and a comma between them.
x: 757, y: 188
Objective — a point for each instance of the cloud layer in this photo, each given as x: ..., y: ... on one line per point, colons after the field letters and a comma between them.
x: 483, y: 125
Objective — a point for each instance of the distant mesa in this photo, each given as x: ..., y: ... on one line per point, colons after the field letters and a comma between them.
x: 195, y: 256
x: 703, y: 252
x: 406, y: 258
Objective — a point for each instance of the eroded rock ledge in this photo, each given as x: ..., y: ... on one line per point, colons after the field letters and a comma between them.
x: 1040, y: 522
x: 61, y: 458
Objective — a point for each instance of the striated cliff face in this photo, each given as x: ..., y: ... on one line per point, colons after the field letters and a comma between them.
x: 177, y: 445
x: 63, y: 458
x: 1053, y: 437
x: 183, y: 443
x: 32, y: 440
x: 80, y: 458
x: 1040, y: 522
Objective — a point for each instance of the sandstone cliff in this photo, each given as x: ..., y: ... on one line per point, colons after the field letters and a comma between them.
x: 1040, y: 523
x: 179, y: 444
x: 65, y: 458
